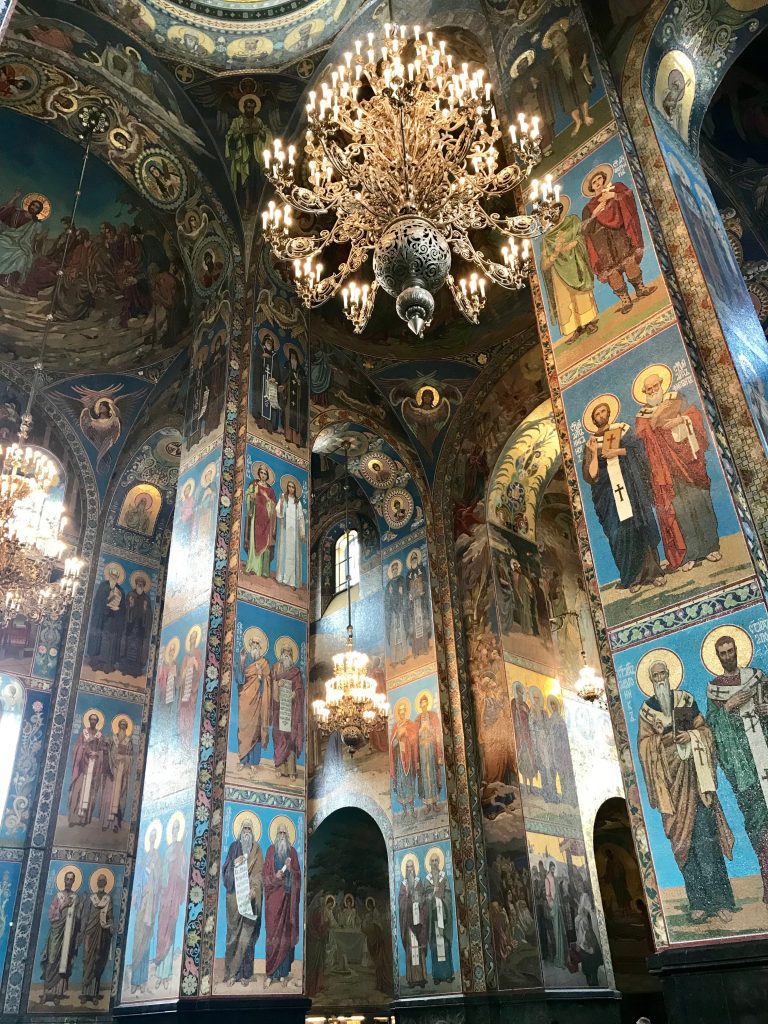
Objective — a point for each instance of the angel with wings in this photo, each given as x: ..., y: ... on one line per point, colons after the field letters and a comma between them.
x: 425, y: 408
x: 100, y: 417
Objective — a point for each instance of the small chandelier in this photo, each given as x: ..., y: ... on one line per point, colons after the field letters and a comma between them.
x: 35, y: 580
x: 402, y: 150
x: 353, y: 706
x: 589, y: 685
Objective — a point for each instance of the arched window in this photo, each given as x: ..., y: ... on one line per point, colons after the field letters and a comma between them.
x: 341, y: 560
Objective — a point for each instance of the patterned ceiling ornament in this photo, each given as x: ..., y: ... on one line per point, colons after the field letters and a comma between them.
x: 20, y: 81
x: 397, y: 508
x: 378, y: 470
x: 161, y: 178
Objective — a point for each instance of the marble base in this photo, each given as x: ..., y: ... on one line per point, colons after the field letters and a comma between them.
x: 724, y: 982
x: 234, y: 1010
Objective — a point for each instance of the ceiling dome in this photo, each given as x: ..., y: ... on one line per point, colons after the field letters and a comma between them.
x: 233, y: 35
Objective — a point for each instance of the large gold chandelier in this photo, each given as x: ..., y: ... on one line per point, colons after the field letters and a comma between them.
x: 402, y: 151
x: 353, y: 705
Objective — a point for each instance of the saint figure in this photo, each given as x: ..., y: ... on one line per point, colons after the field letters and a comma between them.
x: 254, y: 696
x: 265, y: 406
x: 293, y: 399
x: 61, y: 943
x: 679, y: 762
x: 88, y: 770
x: 615, y: 466
x: 419, y: 611
x: 413, y: 926
x: 146, y: 900
x: 173, y: 890
x: 190, y: 676
x: 395, y: 615
x: 560, y: 752
x: 260, y: 511
x: 287, y: 712
x: 282, y: 893
x: 117, y: 763
x: 568, y: 276
x: 439, y: 905
x: 430, y: 742
x: 291, y: 536
x: 97, y: 929
x: 137, y: 627
x: 242, y: 881
x: 105, y: 636
x: 526, y: 762
x: 404, y: 758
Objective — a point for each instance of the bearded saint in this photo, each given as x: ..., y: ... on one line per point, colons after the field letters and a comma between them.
x: 98, y: 927
x: 677, y: 754
x: 189, y: 684
x: 64, y: 918
x: 404, y: 759
x: 413, y: 927
x: 282, y: 893
x: 676, y: 441
x: 253, y: 703
x: 526, y: 761
x: 242, y: 880
x: 119, y: 757
x: 439, y: 901
x: 287, y: 713
x: 173, y: 889
x: 88, y: 768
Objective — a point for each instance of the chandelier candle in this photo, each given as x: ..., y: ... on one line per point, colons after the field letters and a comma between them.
x: 402, y: 151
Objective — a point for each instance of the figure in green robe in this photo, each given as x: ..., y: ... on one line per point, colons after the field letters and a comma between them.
x: 568, y: 276
x: 247, y: 138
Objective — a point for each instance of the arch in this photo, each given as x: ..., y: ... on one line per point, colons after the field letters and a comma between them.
x: 626, y: 919
x: 350, y: 954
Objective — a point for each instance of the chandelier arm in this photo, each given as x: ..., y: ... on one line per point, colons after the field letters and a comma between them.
x: 467, y: 311
x: 318, y: 294
x: 513, y: 279
x: 305, y: 199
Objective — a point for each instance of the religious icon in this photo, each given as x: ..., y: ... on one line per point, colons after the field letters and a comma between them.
x: 404, y: 757
x: 675, y: 437
x: 570, y: 71
x: 254, y: 697
x: 190, y: 677
x: 395, y: 613
x: 282, y: 896
x: 210, y: 264
x: 170, y: 899
x: 265, y: 378
x: 246, y: 139
x: 140, y: 509
x: 18, y: 81
x: 677, y: 749
x: 616, y: 468
x: 291, y: 533
x: 293, y: 397
x: 378, y: 470
x: 89, y: 770
x: 192, y: 41
x: 161, y: 177
x: 419, y: 605
x: 737, y: 715
x: 568, y: 275
x: 11, y: 714
x: 529, y: 92
x: 100, y: 418
x: 397, y: 508
x: 64, y: 932
x: 242, y: 879
x: 97, y: 927
x: 413, y: 921
x: 674, y: 90
x: 425, y: 408
x: 119, y: 753
x: 614, y: 235
x: 167, y: 673
x: 146, y: 892
x: 287, y: 707
x: 430, y: 751
x: 260, y: 520
x: 438, y: 899
x: 304, y: 36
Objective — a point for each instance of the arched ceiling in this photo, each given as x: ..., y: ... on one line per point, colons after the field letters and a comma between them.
x: 232, y: 35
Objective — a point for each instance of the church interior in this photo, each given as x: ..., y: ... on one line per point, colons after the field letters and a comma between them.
x: 384, y: 511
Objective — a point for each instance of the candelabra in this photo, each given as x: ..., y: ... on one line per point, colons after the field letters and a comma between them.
x: 589, y: 685
x: 402, y: 152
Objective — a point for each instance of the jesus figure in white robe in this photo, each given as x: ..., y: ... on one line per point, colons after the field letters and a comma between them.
x: 292, y: 533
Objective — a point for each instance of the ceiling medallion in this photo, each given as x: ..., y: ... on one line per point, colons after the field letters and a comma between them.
x: 402, y: 151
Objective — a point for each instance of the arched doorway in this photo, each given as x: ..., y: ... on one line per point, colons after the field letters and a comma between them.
x: 626, y: 916
x: 349, y: 934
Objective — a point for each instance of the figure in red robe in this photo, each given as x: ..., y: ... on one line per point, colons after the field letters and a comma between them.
x: 173, y: 889
x: 189, y: 686
x: 282, y: 893
x: 614, y: 238
x: 260, y: 521
x: 676, y: 441
x: 287, y: 712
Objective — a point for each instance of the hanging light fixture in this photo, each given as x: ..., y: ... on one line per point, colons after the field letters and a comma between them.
x: 353, y: 705
x: 35, y: 579
x: 589, y: 685
x: 402, y: 151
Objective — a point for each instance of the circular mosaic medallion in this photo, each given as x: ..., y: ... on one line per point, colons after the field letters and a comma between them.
x: 210, y: 263
x: 378, y: 470
x: 161, y: 178
x: 759, y: 295
x: 398, y: 508
x: 19, y: 81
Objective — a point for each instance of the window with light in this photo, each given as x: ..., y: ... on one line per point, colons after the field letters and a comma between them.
x: 341, y: 560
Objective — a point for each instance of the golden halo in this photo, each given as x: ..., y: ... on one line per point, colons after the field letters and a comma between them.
x: 40, y: 198
x: 614, y: 407
x: 527, y: 55
x: 177, y: 816
x: 565, y: 202
x: 348, y: 896
x: 249, y: 96
x: 661, y: 370
x: 330, y: 897
x: 395, y: 569
x: 256, y: 466
x: 409, y: 858
x: 118, y: 568
x: 110, y: 876
x: 65, y: 871
x: 416, y: 553
x: 240, y: 820
x: 195, y: 631
x: 99, y: 715
x: 188, y: 488
x: 745, y: 648
x: 557, y: 698
x: 254, y: 633
x: 282, y: 819
x: 209, y: 474
x: 670, y: 659
x: 435, y: 392
x: 154, y: 828
x: 288, y: 348
x: 435, y: 851
x: 140, y: 574
x: 605, y: 169
x: 428, y: 695
x: 533, y: 689
x: 288, y: 478
x: 287, y: 641
x: 122, y: 718
x: 403, y: 702
x: 12, y: 691
x: 172, y: 648
x: 562, y: 25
